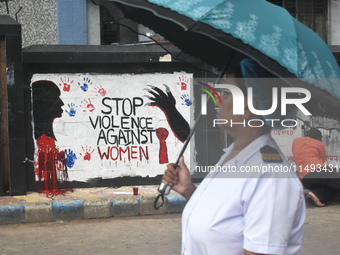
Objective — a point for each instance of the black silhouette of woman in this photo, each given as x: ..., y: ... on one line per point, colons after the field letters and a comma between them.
x: 46, y: 107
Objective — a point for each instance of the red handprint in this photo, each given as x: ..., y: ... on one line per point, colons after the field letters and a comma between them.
x: 66, y: 84
x: 88, y: 152
x: 87, y: 105
x: 183, y: 82
x: 99, y: 90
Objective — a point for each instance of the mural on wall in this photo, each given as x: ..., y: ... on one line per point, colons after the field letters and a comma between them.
x: 50, y: 163
x: 107, y: 126
x: 166, y: 102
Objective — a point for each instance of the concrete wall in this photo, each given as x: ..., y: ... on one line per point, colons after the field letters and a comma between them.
x: 107, y: 129
x: 90, y: 83
x: 38, y: 19
x: 93, y: 23
x: 334, y: 21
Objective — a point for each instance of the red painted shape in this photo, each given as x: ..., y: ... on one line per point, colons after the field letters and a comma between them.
x: 66, y: 84
x: 102, y: 91
x: 122, y: 153
x: 162, y: 134
x: 87, y: 104
x: 87, y: 156
x: 183, y: 83
x: 51, y: 169
x: 88, y: 153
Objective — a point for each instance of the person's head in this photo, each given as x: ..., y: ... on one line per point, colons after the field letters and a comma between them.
x: 263, y: 82
x: 242, y: 78
x: 46, y: 106
x: 46, y: 101
x: 253, y: 75
x: 314, y: 133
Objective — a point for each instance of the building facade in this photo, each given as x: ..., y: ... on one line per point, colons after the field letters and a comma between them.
x: 81, y: 22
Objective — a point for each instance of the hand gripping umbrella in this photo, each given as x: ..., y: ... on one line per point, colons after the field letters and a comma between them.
x: 212, y: 29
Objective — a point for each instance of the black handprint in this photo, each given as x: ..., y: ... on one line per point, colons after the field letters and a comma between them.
x: 167, y: 103
x: 161, y: 99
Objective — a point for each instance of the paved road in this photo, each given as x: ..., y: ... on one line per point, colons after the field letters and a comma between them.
x: 322, y: 228
x: 122, y: 235
x: 146, y: 235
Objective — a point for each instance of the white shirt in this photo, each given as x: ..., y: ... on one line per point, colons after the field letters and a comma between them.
x: 262, y: 213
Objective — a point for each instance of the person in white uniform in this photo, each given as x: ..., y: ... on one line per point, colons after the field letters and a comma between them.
x: 253, y: 203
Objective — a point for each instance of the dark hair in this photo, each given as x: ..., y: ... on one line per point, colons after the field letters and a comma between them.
x: 314, y: 133
x: 47, y: 106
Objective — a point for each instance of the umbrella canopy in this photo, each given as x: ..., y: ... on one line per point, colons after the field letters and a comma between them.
x: 213, y: 29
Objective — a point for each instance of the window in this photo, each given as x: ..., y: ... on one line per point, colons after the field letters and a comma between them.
x: 110, y: 32
x: 312, y: 13
x: 108, y: 29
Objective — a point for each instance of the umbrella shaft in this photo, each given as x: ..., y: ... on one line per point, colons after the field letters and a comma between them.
x: 163, y: 188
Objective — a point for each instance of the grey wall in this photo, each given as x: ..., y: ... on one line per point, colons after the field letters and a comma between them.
x: 334, y: 20
x: 38, y: 19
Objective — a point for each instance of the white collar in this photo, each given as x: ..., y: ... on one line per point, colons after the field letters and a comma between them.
x: 249, y: 150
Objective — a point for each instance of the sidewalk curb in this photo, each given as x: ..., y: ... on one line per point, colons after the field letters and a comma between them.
x: 87, y: 208
x: 14, y: 210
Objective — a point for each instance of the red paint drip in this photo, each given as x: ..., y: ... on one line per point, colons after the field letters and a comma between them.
x: 51, y: 169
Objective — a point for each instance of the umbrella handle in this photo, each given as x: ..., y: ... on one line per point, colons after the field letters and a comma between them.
x: 163, y: 188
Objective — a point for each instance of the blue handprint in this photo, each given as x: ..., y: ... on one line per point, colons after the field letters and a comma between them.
x: 70, y: 158
x: 72, y: 111
x: 86, y: 84
x: 185, y: 98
